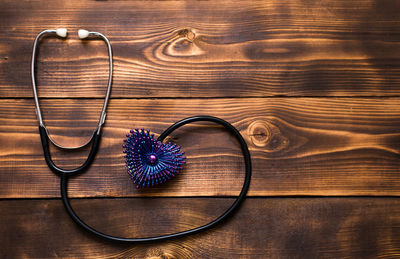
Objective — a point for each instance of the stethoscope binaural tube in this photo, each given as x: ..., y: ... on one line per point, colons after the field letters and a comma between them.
x: 44, y: 134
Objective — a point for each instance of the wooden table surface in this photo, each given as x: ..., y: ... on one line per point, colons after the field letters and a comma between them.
x: 313, y: 86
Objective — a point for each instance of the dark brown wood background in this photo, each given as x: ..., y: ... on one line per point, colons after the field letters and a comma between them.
x: 313, y: 86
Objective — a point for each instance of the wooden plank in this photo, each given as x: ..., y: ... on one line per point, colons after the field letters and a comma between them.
x: 299, y: 146
x: 205, y: 49
x: 262, y: 228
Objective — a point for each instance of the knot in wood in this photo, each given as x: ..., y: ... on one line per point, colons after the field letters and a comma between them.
x: 267, y: 134
x: 188, y: 34
x: 259, y: 133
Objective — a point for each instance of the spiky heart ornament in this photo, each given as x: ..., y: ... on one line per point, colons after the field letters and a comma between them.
x: 149, y: 161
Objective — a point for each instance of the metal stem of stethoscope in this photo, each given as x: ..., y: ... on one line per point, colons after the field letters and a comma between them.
x: 45, y: 137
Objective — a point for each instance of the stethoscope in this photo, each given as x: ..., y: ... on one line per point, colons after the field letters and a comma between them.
x: 95, y: 141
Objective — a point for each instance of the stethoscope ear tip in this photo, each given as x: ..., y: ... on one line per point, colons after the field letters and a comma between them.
x: 83, y: 34
x: 62, y: 32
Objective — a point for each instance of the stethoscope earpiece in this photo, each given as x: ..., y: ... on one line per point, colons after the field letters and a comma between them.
x: 83, y: 34
x: 62, y: 32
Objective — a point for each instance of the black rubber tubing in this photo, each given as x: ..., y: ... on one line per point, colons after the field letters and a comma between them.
x: 57, y: 170
x: 228, y: 212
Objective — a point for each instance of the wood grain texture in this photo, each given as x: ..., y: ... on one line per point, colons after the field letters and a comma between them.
x: 274, y: 69
x: 205, y: 48
x: 262, y: 228
x: 299, y: 146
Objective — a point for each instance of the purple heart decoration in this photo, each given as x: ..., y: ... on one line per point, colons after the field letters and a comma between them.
x: 149, y: 161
